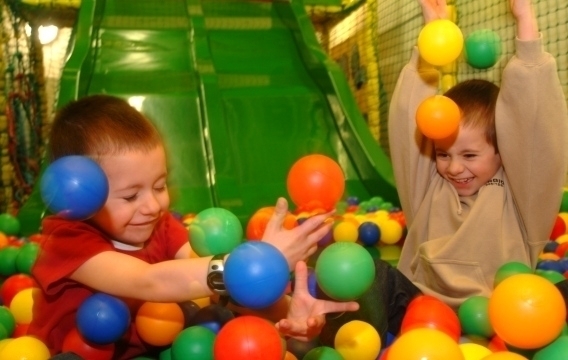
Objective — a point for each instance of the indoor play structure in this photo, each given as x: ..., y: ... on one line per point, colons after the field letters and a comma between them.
x: 239, y: 90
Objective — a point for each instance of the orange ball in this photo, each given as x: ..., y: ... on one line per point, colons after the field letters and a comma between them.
x: 527, y: 311
x: 159, y: 323
x: 438, y: 117
x: 426, y: 311
x: 257, y: 222
x: 315, y: 182
x: 504, y: 355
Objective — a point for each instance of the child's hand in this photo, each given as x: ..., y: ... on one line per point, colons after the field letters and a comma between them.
x: 300, y: 242
x: 433, y: 10
x: 527, y: 27
x: 306, y: 314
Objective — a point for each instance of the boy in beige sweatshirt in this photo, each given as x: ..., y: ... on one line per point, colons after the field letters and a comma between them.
x: 484, y: 197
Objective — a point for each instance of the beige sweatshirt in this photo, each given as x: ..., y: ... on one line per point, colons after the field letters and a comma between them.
x: 456, y: 244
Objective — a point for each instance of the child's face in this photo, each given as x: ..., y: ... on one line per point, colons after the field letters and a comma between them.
x: 137, y: 195
x: 467, y: 161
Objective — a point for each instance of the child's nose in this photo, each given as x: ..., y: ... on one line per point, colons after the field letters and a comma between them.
x: 151, y: 205
x: 456, y: 167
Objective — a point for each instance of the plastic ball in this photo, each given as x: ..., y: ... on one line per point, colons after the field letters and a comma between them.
x: 527, y: 311
x: 9, y: 224
x: 300, y: 348
x: 102, y: 319
x: 558, y: 229
x: 472, y: 351
x: 215, y: 231
x: 323, y: 353
x: 248, y: 337
x: 482, y: 48
x: 21, y: 305
x: 8, y: 256
x: 74, y: 187
x: 509, y: 269
x: 159, y: 323
x: 256, y: 274
x: 474, y: 317
x: 315, y: 182
x: 438, y: 117
x: 194, y: 342
x: 13, y: 285
x: 7, y: 320
x: 426, y: 311
x: 357, y: 340
x: 425, y: 343
x: 391, y: 231
x: 258, y: 221
x: 556, y: 350
x: 369, y: 233
x: 440, y: 42
x: 344, y: 271
x: 345, y: 231
x: 26, y: 257
x: 504, y: 355
x: 76, y: 344
x: 213, y: 317
x: 25, y: 348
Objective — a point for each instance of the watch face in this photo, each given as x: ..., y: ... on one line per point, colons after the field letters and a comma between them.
x: 215, y: 279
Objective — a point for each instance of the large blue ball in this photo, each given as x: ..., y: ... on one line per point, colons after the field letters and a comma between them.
x: 74, y: 187
x: 256, y: 274
x: 102, y: 319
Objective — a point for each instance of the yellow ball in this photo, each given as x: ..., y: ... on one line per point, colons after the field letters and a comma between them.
x: 425, y: 343
x: 358, y: 340
x: 562, y: 239
x: 440, y: 42
x: 25, y: 348
x: 22, y: 305
x: 346, y: 231
x: 472, y: 351
x: 391, y: 231
x: 504, y: 355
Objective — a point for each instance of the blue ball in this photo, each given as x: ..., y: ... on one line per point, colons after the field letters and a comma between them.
x: 256, y: 274
x: 102, y: 319
x: 369, y: 233
x: 74, y: 187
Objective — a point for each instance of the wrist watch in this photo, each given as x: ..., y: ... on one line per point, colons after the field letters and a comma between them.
x: 215, y: 279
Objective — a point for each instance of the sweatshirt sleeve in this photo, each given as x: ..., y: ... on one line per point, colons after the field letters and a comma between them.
x: 411, y: 153
x: 532, y: 128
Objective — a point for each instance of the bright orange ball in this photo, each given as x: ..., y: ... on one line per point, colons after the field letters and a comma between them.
x: 527, y: 311
x: 438, y: 117
x: 257, y: 222
x: 159, y: 323
x: 315, y: 182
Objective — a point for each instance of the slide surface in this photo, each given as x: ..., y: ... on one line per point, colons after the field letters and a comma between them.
x: 239, y: 89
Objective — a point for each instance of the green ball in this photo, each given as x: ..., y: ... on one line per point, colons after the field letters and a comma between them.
x: 8, y: 255
x: 26, y: 257
x: 9, y: 225
x: 551, y: 275
x: 7, y: 321
x: 474, y: 317
x: 215, y: 231
x: 556, y: 350
x: 508, y: 269
x: 564, y: 203
x: 344, y: 271
x: 482, y: 48
x: 323, y: 353
x: 194, y: 342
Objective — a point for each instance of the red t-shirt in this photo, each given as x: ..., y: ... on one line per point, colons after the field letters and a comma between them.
x: 67, y: 245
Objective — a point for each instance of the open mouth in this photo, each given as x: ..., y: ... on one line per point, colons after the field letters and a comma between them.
x: 462, y: 181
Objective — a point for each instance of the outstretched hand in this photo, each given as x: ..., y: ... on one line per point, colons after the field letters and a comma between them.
x: 433, y: 10
x: 300, y: 242
x: 306, y: 314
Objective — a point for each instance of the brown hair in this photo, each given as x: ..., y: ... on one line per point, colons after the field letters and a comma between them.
x: 476, y: 100
x: 99, y: 125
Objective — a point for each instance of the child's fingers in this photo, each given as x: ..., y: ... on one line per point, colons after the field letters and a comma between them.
x: 277, y: 219
x: 301, y: 277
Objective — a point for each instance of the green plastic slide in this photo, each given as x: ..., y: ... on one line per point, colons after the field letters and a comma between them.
x: 239, y: 89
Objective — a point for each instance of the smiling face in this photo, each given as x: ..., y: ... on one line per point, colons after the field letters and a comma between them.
x: 467, y: 161
x: 137, y: 197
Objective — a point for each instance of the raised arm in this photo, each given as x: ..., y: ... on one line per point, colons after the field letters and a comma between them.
x: 527, y: 26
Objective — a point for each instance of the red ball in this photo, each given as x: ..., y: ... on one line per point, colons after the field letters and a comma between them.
x: 558, y: 229
x: 315, y: 182
x: 258, y: 221
x: 13, y: 285
x: 75, y: 343
x: 248, y: 338
x: 428, y: 311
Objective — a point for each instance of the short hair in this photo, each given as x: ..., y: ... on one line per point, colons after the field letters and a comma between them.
x: 476, y: 99
x: 98, y: 125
